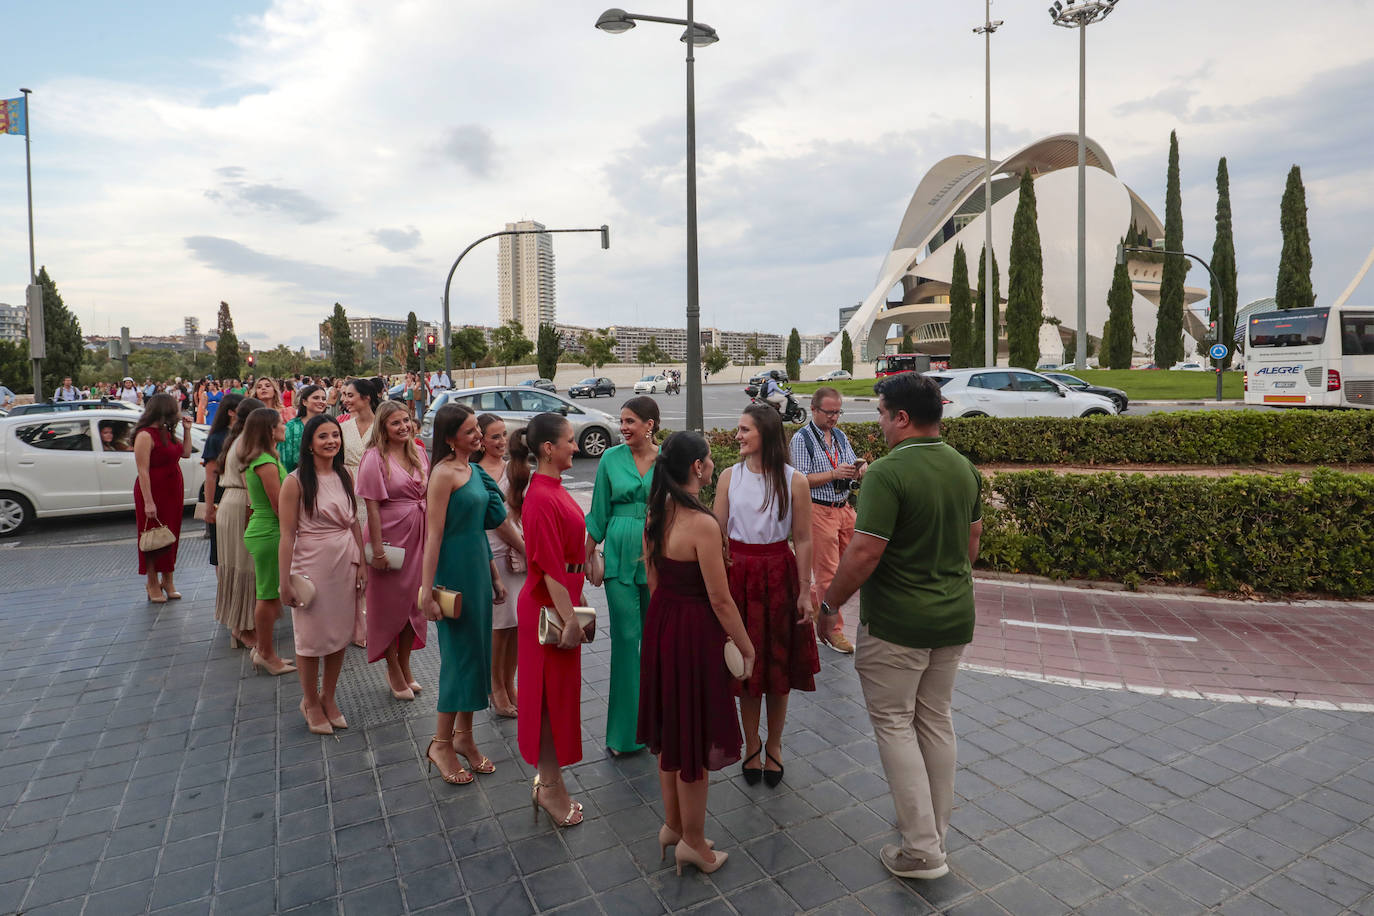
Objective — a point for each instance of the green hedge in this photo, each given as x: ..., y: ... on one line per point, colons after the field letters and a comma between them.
x: 1221, y: 437
x: 1272, y: 534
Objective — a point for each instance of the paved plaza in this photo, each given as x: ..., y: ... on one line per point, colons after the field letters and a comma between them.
x: 145, y: 768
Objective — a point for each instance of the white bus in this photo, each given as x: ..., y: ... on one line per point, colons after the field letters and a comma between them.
x: 1314, y: 357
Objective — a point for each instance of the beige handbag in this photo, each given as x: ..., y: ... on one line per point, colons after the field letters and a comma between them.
x: 596, y: 568
x: 551, y: 624
x: 304, y: 589
x: 199, y: 512
x: 450, y: 602
x: 395, y: 556
x: 734, y: 659
x: 156, y: 539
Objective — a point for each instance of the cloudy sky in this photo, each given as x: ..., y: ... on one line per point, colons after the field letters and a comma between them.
x: 284, y: 155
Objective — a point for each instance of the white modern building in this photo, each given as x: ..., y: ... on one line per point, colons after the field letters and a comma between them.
x: 14, y: 323
x: 525, y: 278
x: 947, y: 210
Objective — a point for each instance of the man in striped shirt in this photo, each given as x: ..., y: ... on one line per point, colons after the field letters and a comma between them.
x: 822, y: 452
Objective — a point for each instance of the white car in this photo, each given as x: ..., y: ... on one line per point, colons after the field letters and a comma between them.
x: 834, y: 375
x: 651, y: 384
x: 1188, y: 367
x: 1001, y: 392
x: 56, y: 464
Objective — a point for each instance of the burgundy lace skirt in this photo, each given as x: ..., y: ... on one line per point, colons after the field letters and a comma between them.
x: 763, y: 582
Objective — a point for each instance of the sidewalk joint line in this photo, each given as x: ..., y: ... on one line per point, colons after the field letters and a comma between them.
x: 1102, y: 631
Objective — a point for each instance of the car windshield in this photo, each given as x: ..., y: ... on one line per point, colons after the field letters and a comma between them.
x: 648, y: 378
x: 587, y: 381
x: 1068, y: 379
x: 941, y: 380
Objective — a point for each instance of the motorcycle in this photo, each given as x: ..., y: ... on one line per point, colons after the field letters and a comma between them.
x: 792, y: 413
x: 674, y: 385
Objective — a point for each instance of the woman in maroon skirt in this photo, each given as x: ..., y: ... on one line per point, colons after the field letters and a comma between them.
x: 686, y: 705
x: 159, y: 495
x: 759, y: 502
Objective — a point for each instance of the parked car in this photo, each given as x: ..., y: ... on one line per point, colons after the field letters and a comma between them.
x: 777, y: 374
x: 544, y: 384
x: 1117, y: 396
x: 652, y: 384
x: 59, y: 406
x: 57, y: 465
x: 1188, y: 367
x: 1014, y: 393
x: 834, y: 375
x: 594, y: 429
x: 592, y: 387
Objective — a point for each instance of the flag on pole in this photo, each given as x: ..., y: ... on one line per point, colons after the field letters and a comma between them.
x: 12, y: 117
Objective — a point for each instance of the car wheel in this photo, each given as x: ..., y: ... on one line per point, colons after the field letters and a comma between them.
x: 594, y: 442
x: 974, y: 413
x: 1120, y: 404
x: 612, y: 392
x: 15, y: 514
x: 1094, y: 412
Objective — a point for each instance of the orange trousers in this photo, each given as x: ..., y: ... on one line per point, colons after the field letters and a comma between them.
x: 832, y: 528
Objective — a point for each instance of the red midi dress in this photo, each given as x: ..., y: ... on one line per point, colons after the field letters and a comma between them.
x: 169, y: 496
x: 550, y: 677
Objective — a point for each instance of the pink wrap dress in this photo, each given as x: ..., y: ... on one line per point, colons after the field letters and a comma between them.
x: 392, y: 594
x: 326, y: 551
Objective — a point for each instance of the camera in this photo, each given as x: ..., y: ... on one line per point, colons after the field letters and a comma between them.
x: 845, y: 487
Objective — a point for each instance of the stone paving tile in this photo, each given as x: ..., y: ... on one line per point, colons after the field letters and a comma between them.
x: 145, y: 768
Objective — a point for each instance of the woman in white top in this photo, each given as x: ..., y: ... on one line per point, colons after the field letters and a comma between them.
x: 759, y: 503
x: 360, y: 398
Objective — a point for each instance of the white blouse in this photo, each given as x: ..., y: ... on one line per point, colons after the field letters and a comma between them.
x: 752, y: 520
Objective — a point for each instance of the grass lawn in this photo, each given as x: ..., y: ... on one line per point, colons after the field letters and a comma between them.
x: 1139, y: 384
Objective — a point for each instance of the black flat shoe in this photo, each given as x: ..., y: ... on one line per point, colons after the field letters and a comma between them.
x: 771, y: 778
x: 752, y: 775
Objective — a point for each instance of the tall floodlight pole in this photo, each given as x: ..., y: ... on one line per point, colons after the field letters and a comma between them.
x: 990, y: 306
x: 1079, y: 16
x: 615, y: 21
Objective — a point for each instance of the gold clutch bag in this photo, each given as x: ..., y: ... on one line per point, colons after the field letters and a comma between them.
x: 450, y: 602
x: 551, y: 625
x: 304, y: 589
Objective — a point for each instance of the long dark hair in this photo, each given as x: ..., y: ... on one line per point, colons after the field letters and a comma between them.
x: 674, y: 462
x: 246, y: 406
x: 228, y: 408
x: 300, y: 396
x: 485, y: 420
x: 257, y: 434
x: 646, y: 408
x: 772, y: 456
x: 447, y: 420
x: 305, y: 471
x: 526, y: 443
x: 160, y: 412
x: 368, y: 388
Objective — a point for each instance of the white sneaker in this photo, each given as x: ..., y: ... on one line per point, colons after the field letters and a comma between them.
x: 904, y: 865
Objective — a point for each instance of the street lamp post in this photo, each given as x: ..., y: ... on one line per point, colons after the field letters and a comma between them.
x: 446, y: 330
x: 990, y: 306
x: 1079, y: 16
x: 615, y: 21
x: 1214, y: 309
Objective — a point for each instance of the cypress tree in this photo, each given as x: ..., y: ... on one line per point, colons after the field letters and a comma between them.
x: 547, y: 351
x: 794, y: 355
x: 908, y: 345
x: 1025, y: 282
x: 62, y: 339
x: 342, y: 341
x: 960, y: 313
x: 846, y: 352
x: 227, y: 350
x: 414, y: 361
x: 979, y: 349
x: 1223, y: 298
x: 1169, y: 326
x: 1294, y: 289
x: 1118, y: 336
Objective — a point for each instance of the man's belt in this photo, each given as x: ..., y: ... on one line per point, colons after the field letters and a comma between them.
x: 834, y: 504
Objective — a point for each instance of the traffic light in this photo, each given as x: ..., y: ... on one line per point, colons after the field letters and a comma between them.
x: 1212, y: 332
x: 252, y: 361
x: 429, y: 342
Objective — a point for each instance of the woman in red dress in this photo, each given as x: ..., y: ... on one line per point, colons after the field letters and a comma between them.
x: 159, y: 495
x: 549, y: 727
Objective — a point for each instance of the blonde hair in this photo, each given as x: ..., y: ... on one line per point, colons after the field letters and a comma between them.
x: 276, y: 393
x: 377, y: 438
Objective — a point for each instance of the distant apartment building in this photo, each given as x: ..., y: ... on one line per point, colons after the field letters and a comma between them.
x: 369, y: 331
x: 14, y: 323
x: 190, y: 333
x: 847, y: 313
x: 628, y: 340
x: 813, y: 344
x: 525, y: 278
x: 737, y: 343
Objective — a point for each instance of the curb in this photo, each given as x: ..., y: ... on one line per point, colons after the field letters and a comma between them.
x: 1185, y: 592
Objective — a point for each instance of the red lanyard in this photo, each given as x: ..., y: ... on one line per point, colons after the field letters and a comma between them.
x: 834, y: 462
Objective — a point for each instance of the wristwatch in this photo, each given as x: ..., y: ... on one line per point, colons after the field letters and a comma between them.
x: 827, y: 610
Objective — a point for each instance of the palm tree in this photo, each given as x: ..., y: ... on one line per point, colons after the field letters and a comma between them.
x: 382, y: 341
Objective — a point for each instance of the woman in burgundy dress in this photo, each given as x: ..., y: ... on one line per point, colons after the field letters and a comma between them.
x: 159, y: 495
x: 549, y: 726
x: 686, y: 706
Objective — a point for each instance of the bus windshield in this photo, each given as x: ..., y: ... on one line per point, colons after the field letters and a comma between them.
x: 908, y: 362
x: 1292, y: 328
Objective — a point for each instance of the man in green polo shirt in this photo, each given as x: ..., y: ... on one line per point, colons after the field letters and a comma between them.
x: 911, y: 560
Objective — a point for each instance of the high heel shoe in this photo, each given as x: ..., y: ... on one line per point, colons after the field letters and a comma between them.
x: 260, y: 663
x: 771, y: 778
x: 752, y: 775
x: 667, y: 836
x: 483, y: 766
x: 406, y: 694
x: 459, y: 778
x: 322, y: 729
x: 684, y: 853
x: 415, y: 687
x: 156, y: 597
x: 571, y: 819
x: 171, y: 593
x: 338, y: 721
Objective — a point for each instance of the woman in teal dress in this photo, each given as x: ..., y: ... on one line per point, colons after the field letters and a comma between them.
x: 462, y: 502
x: 617, y: 518
x: 262, y: 473
x: 312, y: 402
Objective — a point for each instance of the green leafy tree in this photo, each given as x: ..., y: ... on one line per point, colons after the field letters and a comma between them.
x: 714, y: 359
x: 794, y: 355
x: 281, y: 361
x: 1025, y: 282
x: 979, y: 352
x: 228, y: 359
x: 341, y: 343
x: 1169, y: 325
x: 754, y: 352
x: 62, y: 337
x: 598, y: 348
x: 651, y: 352
x: 469, y: 346
x: 1294, y: 289
x: 413, y: 360
x: 960, y: 313
x: 1118, y: 337
x: 908, y: 345
x: 509, y: 345
x: 16, y: 371
x: 846, y: 353
x: 547, y: 351
x: 1223, y: 297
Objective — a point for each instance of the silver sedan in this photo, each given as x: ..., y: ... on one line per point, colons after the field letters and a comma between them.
x: 595, y: 429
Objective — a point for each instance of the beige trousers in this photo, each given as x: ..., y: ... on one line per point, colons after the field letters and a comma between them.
x: 908, y: 693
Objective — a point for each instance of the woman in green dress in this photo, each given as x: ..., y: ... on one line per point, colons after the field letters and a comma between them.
x: 617, y: 519
x: 263, y: 474
x: 312, y: 402
x: 462, y: 502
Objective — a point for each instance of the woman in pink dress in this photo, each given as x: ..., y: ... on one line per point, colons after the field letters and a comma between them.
x: 392, y: 479
x: 321, y: 540
x: 508, y: 553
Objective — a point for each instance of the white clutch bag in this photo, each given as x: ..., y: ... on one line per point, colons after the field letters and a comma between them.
x: 734, y: 659
x: 395, y: 556
x: 551, y: 625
